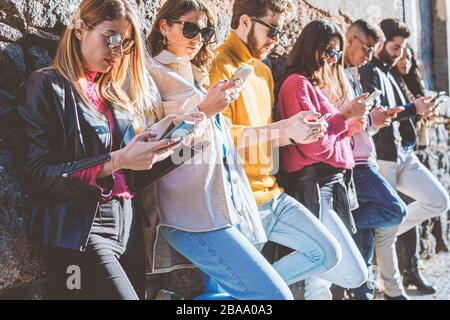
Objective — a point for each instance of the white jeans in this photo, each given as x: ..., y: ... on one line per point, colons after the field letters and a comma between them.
x: 387, y: 261
x: 351, y: 271
x: 413, y: 179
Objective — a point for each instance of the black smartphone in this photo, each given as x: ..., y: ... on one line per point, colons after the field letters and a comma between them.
x: 438, y: 96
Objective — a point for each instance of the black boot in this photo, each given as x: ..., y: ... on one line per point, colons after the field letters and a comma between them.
x: 415, y: 277
x: 410, y: 270
x: 438, y: 233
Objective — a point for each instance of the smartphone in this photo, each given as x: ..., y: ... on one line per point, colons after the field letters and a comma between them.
x: 442, y: 99
x: 325, y: 117
x: 392, y: 112
x: 373, y: 96
x: 243, y: 72
x: 181, y: 131
x: 439, y: 96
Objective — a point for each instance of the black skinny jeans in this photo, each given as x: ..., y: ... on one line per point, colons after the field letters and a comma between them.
x: 111, y: 268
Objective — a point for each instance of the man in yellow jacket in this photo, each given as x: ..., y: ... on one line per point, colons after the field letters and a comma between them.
x: 256, y: 29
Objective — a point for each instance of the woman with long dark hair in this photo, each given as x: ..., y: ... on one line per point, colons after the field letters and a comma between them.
x: 407, y: 74
x: 319, y: 175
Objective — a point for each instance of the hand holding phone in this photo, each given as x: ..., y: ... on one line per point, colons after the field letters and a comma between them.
x: 443, y: 98
x: 323, y: 118
x: 372, y: 97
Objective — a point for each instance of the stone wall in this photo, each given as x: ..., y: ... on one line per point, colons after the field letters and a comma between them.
x: 29, y: 33
x: 440, y: 48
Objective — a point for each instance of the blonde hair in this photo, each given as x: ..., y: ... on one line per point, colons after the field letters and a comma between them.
x: 334, y: 81
x: 130, y: 71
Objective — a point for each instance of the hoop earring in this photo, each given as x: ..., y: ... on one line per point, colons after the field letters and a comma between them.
x: 165, y: 42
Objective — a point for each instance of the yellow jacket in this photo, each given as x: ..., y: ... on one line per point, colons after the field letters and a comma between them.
x: 252, y: 109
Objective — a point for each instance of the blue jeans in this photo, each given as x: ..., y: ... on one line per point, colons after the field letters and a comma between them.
x: 379, y: 204
x: 232, y: 261
x: 380, y: 207
x: 365, y: 240
x: 289, y: 223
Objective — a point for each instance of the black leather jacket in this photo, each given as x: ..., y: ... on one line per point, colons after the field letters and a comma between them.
x: 375, y: 75
x: 65, y: 136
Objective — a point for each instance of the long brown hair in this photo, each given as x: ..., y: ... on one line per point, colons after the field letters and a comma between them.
x: 130, y: 70
x: 316, y: 38
x: 173, y: 10
x: 414, y: 79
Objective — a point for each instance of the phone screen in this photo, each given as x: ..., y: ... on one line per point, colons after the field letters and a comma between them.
x: 243, y: 72
x: 372, y: 97
x: 181, y: 131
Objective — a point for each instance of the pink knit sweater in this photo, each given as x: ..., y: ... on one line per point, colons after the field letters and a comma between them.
x: 299, y: 94
x: 120, y: 187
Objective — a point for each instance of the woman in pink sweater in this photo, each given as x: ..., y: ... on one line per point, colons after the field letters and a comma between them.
x: 320, y: 174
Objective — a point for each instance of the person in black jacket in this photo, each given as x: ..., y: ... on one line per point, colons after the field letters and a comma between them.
x: 395, y: 148
x: 379, y: 204
x: 408, y: 77
x: 83, y: 156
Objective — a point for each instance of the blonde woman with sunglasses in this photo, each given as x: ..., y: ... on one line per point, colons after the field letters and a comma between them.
x: 84, y: 162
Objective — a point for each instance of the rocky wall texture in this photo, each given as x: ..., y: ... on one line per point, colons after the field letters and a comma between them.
x: 29, y: 33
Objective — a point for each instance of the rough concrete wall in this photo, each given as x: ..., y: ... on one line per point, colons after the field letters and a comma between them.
x: 29, y: 30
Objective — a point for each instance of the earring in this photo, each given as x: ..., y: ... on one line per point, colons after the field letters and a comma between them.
x: 164, y: 42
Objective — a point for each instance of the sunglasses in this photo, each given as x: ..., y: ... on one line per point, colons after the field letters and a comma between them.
x: 191, y: 30
x: 115, y: 40
x: 273, y: 31
x: 331, y: 53
x: 370, y: 50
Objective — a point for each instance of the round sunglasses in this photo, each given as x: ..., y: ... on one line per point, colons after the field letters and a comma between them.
x: 368, y: 51
x: 115, y: 40
x: 191, y: 30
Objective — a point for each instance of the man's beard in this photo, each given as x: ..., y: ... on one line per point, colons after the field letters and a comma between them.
x: 252, y: 43
x: 386, y: 58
